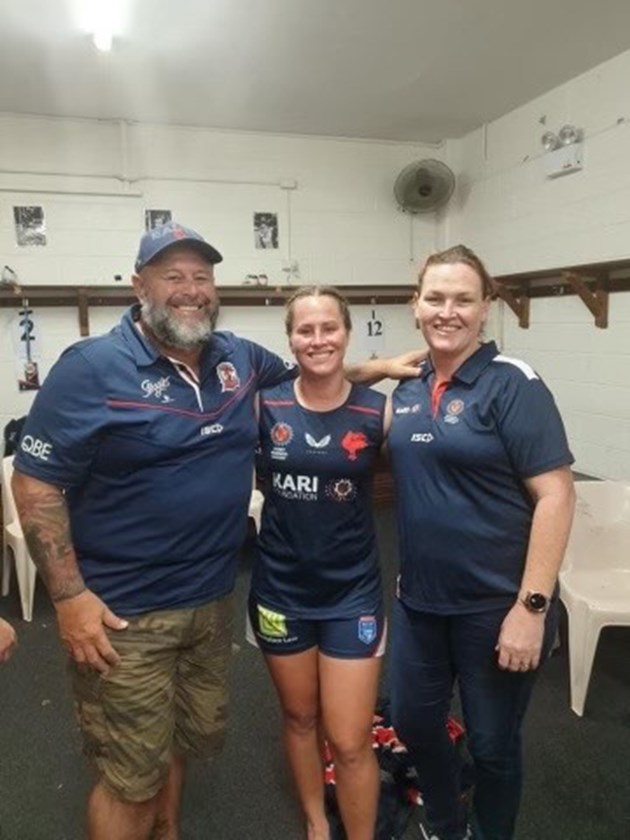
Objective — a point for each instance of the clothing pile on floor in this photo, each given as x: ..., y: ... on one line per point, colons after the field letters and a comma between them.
x: 399, y: 794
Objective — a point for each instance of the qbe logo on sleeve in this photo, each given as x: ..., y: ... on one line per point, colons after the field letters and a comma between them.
x: 36, y: 447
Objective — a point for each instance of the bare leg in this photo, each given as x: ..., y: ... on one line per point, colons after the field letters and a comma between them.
x: 348, y: 696
x: 169, y: 802
x: 296, y: 679
x: 110, y: 817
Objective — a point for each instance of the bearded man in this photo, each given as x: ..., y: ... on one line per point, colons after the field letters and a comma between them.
x: 132, y: 480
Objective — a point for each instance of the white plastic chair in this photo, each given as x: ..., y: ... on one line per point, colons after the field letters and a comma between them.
x: 595, y: 576
x: 14, y: 547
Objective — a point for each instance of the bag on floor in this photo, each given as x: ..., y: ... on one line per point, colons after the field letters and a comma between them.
x: 399, y: 794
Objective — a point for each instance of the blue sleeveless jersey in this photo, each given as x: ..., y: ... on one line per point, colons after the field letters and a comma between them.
x: 318, y: 556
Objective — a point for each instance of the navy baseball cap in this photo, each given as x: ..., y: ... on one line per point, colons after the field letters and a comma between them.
x: 156, y: 241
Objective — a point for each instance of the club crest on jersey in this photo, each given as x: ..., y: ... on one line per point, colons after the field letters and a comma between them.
x: 341, y: 490
x: 228, y: 377
x: 281, y: 434
x: 454, y: 408
x: 353, y: 443
x: 317, y: 444
x: 367, y: 629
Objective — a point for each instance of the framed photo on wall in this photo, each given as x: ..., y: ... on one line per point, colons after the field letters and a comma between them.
x: 155, y: 218
x: 266, y: 230
x: 30, y: 226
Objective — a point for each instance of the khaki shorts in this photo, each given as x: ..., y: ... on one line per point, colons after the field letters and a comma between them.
x: 167, y: 696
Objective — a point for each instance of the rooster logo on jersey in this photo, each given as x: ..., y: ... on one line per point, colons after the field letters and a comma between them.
x: 353, y: 443
x: 228, y: 377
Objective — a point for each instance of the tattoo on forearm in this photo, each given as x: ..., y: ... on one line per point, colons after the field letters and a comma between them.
x: 46, y: 527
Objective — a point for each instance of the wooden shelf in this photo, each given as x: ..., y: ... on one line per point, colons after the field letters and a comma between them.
x: 83, y: 297
x: 592, y: 282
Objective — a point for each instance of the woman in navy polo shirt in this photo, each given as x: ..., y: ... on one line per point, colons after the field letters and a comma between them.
x: 485, y: 501
x: 316, y: 602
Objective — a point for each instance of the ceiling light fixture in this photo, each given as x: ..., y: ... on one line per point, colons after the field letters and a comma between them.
x: 103, y: 19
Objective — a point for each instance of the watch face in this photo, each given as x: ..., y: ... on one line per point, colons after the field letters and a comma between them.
x: 536, y: 602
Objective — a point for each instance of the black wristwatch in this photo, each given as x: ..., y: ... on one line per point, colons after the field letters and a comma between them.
x: 535, y: 602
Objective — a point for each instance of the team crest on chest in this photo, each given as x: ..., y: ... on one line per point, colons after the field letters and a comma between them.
x: 353, y: 443
x: 281, y: 434
x: 454, y: 408
x: 228, y: 377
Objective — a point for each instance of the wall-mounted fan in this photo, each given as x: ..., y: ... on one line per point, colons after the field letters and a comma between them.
x: 423, y: 186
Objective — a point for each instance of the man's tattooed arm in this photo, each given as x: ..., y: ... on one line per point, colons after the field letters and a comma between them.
x: 83, y: 618
x: 46, y: 525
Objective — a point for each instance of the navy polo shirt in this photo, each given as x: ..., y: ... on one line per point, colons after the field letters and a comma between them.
x: 157, y: 469
x: 464, y: 513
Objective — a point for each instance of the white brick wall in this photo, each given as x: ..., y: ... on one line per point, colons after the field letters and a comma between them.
x: 344, y: 224
x: 345, y: 229
x: 518, y: 220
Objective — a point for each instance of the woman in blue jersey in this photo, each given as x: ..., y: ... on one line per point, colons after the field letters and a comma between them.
x: 316, y: 602
x: 485, y: 501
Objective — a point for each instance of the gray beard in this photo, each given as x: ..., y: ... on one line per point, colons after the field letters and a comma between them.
x: 172, y: 333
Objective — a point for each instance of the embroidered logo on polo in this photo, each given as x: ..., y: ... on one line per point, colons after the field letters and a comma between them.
x: 228, y: 377
x: 454, y: 408
x: 341, y: 490
x: 353, y: 443
x: 366, y: 630
x: 299, y: 488
x: 281, y: 435
x: 157, y: 389
x: 421, y: 437
x: 407, y: 409
x: 214, y: 429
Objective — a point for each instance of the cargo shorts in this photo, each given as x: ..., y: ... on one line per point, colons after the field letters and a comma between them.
x: 167, y: 696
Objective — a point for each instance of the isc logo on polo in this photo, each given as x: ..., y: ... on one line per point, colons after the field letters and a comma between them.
x: 422, y: 437
x: 36, y: 447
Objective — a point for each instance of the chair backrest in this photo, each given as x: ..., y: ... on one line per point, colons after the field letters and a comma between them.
x: 600, y: 536
x: 8, y: 502
x: 604, y: 501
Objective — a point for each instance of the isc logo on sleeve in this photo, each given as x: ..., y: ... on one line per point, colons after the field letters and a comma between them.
x: 36, y: 447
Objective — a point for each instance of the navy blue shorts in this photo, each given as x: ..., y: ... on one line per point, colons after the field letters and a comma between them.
x: 359, y: 637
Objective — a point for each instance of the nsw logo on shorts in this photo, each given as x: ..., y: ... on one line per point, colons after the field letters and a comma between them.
x: 367, y: 628
x: 271, y: 624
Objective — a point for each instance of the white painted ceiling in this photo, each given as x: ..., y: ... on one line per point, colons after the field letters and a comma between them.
x: 390, y: 69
